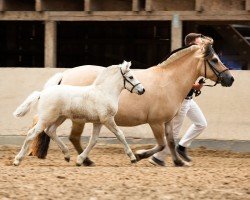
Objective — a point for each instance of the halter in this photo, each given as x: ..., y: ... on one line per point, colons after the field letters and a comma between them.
x: 212, y: 67
x: 125, y: 79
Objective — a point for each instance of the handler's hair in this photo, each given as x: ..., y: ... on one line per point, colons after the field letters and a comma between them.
x: 189, y: 39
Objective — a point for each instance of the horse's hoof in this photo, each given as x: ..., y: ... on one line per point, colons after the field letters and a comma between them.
x: 88, y: 163
x: 179, y: 163
x: 155, y: 161
x: 67, y: 159
x: 79, y: 160
x: 138, y: 157
x: 16, y: 162
x: 133, y: 161
x: 78, y: 164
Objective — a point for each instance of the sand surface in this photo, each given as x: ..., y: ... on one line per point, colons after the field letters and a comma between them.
x: 213, y: 175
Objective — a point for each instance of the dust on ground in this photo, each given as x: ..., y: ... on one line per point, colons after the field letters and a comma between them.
x: 213, y: 175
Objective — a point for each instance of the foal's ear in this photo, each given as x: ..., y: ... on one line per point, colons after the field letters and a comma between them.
x: 126, y: 66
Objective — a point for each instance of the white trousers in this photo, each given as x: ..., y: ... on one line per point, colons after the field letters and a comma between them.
x: 190, y: 109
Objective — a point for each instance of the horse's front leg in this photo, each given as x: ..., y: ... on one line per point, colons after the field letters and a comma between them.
x: 171, y: 143
x: 158, y: 130
x: 92, y: 141
x: 111, y: 125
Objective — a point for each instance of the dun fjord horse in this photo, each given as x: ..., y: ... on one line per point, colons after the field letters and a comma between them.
x: 167, y: 84
x: 97, y: 103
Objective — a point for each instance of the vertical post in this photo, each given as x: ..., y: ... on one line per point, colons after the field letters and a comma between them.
x: 248, y: 5
x: 39, y: 5
x: 135, y: 5
x: 198, y: 5
x: 50, y: 44
x: 176, y: 32
x: 87, y: 6
x: 2, y: 5
x: 148, y: 5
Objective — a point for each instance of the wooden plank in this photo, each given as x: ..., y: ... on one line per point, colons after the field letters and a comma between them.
x: 2, y: 5
x: 148, y: 5
x: 199, y: 5
x: 50, y: 44
x: 230, y: 16
x: 176, y: 32
x: 39, y: 5
x: 248, y: 5
x: 87, y: 5
x: 135, y: 5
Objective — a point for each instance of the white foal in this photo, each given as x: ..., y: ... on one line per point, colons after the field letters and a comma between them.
x: 97, y: 103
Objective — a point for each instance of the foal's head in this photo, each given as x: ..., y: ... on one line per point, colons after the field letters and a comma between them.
x: 130, y: 82
x: 214, y: 69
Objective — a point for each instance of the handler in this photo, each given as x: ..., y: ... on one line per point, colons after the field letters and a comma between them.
x: 190, y: 109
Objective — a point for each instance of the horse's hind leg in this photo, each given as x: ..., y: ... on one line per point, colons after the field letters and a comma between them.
x: 158, y: 130
x: 75, y: 135
x: 93, y: 139
x: 111, y: 125
x: 75, y: 139
x: 32, y: 133
x: 171, y: 143
x: 51, y: 131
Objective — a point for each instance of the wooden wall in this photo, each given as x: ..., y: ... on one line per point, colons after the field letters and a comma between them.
x: 52, y: 16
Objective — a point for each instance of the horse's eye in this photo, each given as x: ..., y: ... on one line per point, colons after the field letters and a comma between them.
x: 215, y: 60
x: 131, y: 77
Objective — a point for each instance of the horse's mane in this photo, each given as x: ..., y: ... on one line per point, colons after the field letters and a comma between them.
x: 103, y: 75
x: 178, y: 53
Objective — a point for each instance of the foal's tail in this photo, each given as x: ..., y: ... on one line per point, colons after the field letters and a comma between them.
x: 24, y: 108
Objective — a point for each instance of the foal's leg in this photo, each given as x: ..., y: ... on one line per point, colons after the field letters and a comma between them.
x: 171, y: 143
x: 51, y: 131
x: 158, y: 130
x: 92, y: 141
x: 111, y: 125
x: 32, y: 133
x: 75, y: 139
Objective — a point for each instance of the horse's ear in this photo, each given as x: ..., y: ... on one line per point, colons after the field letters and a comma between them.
x: 126, y: 66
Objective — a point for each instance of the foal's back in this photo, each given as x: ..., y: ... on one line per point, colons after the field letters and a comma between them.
x: 76, y: 103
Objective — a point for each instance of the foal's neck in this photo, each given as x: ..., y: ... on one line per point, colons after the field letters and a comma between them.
x: 112, y: 85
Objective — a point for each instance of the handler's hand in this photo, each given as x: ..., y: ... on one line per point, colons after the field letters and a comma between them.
x: 197, y: 86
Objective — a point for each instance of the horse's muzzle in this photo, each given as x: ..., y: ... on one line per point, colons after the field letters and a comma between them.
x: 227, y: 80
x: 141, y: 92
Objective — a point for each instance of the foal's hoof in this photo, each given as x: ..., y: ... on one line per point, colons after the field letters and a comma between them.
x: 78, y: 164
x: 88, y: 163
x: 79, y: 161
x: 67, y: 159
x: 155, y: 161
x: 179, y: 163
x: 133, y: 161
x: 16, y: 162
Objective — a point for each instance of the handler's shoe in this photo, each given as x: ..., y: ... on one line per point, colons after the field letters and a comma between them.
x: 183, y: 153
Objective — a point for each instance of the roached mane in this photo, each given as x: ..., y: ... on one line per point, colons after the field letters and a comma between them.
x: 178, y: 54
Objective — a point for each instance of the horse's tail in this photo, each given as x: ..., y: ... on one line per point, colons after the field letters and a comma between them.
x: 26, y: 105
x: 40, y: 144
x: 54, y: 80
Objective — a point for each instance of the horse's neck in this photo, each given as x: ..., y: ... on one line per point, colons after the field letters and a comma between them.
x: 184, y: 72
x: 111, y: 85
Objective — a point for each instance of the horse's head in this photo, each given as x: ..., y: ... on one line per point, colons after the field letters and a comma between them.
x: 213, y: 68
x: 131, y: 83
